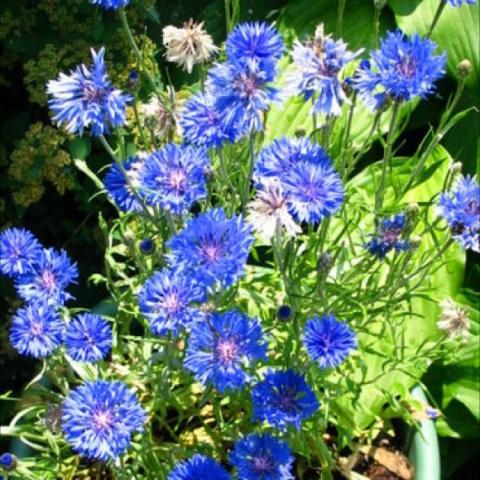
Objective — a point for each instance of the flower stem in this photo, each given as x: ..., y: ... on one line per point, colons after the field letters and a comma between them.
x: 223, y: 171
x: 436, y: 18
x: 340, y: 12
x: 387, y: 157
x: 442, y: 129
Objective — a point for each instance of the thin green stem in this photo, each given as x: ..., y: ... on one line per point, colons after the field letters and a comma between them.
x: 251, y: 165
x: 439, y: 134
x: 436, y: 18
x: 225, y: 176
x: 387, y: 156
x: 139, y: 125
x: 348, y: 130
x: 340, y: 12
x: 376, y: 25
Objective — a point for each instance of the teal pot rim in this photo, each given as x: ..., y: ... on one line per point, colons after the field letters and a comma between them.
x: 423, y: 450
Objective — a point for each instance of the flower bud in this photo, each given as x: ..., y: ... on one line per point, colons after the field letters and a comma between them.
x: 415, y: 242
x: 147, y: 246
x: 8, y: 462
x: 412, y: 210
x: 324, y: 263
x: 464, y: 68
x: 133, y: 79
x: 284, y: 313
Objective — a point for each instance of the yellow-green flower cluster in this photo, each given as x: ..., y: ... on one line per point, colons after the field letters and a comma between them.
x: 40, y: 157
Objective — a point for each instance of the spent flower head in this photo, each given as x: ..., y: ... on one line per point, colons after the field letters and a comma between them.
x: 188, y: 46
x: 454, y: 321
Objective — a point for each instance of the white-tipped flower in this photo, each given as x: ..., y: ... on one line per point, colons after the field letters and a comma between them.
x: 269, y: 207
x: 189, y: 45
x: 157, y: 118
x: 454, y: 321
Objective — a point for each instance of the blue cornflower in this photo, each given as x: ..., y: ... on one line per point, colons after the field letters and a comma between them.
x: 86, y: 99
x: 174, y: 177
x: 167, y: 300
x: 119, y: 189
x: 316, y: 72
x: 242, y: 93
x: 328, y: 341
x: 212, y: 248
x: 37, y: 330
x: 254, y: 42
x: 100, y: 417
x: 113, y: 4
x: 314, y: 190
x: 283, y: 398
x: 262, y: 457
x: 51, y: 275
x: 202, y: 124
x: 221, y: 348
x: 458, y: 3
x: 311, y: 185
x: 461, y: 210
x: 389, y: 236
x: 402, y: 69
x: 198, y: 467
x: 88, y: 338
x: 19, y: 251
x: 278, y: 157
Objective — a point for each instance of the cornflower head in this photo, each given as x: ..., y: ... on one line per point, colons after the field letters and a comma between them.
x: 202, y: 124
x: 328, y: 341
x: 311, y: 185
x: 51, y: 275
x: 167, y: 300
x: 262, y: 457
x: 242, y: 93
x: 270, y: 210
x: 119, y: 189
x: 37, y: 330
x: 454, y: 321
x: 283, y: 399
x: 389, y: 237
x: 19, y: 251
x: 253, y: 42
x: 316, y: 74
x: 402, y: 69
x: 85, y: 98
x: 174, y: 177
x: 461, y: 210
x: 99, y: 419
x: 88, y: 338
x: 221, y: 348
x: 212, y: 248
x: 189, y: 45
x: 198, y: 467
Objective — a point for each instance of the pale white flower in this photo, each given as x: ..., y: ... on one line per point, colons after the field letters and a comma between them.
x: 157, y: 118
x: 189, y: 45
x: 269, y: 207
x: 454, y: 320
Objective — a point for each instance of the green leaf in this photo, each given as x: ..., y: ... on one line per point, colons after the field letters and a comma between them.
x: 80, y: 147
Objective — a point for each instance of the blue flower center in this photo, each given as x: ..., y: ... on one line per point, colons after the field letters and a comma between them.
x: 262, y: 464
x: 48, y: 280
x: 407, y: 66
x: 92, y: 93
x: 227, y: 350
x: 102, y: 420
x: 287, y: 400
x: 390, y: 235
x: 36, y: 329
